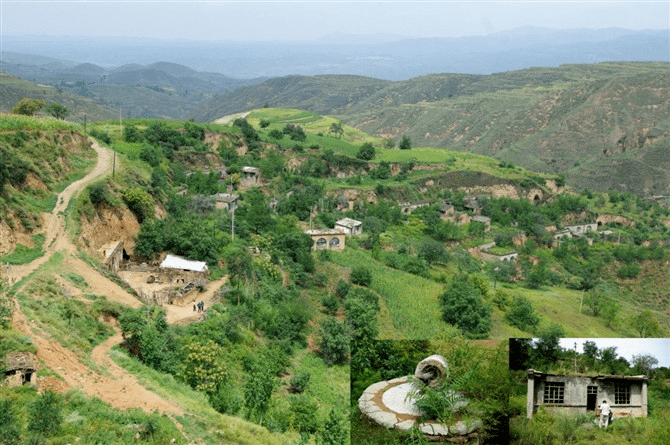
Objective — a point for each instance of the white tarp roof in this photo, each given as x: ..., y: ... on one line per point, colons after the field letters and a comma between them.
x: 177, y: 262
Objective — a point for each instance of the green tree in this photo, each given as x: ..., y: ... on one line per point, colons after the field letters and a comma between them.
x: 139, y: 202
x: 28, y: 106
x: 462, y: 306
x: 334, y: 343
x: 203, y: 368
x: 337, y: 129
x: 405, y: 143
x: 46, y: 414
x: 591, y: 352
x: 361, y: 275
x: 646, y: 324
x: 366, y: 152
x: 547, y: 347
x: 10, y: 428
x: 257, y: 392
x: 132, y: 134
x: 522, y: 315
x: 333, y: 432
x: 57, y: 110
x: 644, y: 363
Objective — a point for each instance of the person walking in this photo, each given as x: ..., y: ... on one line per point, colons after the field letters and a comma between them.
x: 604, y: 414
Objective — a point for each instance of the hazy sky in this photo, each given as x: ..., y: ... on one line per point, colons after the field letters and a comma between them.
x: 307, y: 20
x: 627, y: 347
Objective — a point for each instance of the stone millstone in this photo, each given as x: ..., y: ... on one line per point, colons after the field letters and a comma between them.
x: 431, y: 370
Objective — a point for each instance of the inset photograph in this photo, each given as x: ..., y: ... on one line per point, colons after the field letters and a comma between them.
x: 412, y: 392
x: 581, y: 390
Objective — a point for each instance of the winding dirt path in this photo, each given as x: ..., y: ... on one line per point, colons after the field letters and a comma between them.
x: 116, y: 386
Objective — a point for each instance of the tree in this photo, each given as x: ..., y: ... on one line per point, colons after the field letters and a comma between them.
x: 57, y: 110
x: 334, y: 344
x: 547, y: 347
x: 366, y: 152
x: 591, y: 352
x: 405, y: 143
x: 28, y: 106
x: 646, y: 324
x: 462, y: 305
x: 46, y: 414
x: 333, y: 432
x: 337, y: 129
x: 644, y: 363
x: 203, y: 368
x: 431, y: 251
x: 361, y: 275
x: 522, y: 315
x: 10, y: 428
x: 257, y: 392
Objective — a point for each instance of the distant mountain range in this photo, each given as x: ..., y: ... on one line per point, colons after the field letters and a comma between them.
x: 380, y: 56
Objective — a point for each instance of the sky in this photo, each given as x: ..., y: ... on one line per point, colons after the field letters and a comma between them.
x: 250, y: 20
x: 627, y: 347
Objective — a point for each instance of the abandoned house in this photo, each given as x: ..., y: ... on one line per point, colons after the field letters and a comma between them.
x: 180, y: 270
x: 483, y: 220
x: 349, y: 226
x: 114, y: 254
x: 227, y: 201
x: 20, y: 368
x: 582, y: 229
x: 250, y: 176
x: 329, y: 239
x: 408, y: 207
x: 446, y: 210
x: 626, y: 395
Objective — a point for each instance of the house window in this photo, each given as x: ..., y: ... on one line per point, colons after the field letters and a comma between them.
x: 334, y: 242
x: 622, y: 395
x: 321, y: 242
x: 554, y: 392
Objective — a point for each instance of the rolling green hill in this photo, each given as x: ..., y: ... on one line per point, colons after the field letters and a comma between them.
x: 603, y: 126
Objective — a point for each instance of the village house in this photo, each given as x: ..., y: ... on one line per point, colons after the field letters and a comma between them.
x: 227, y: 201
x: 484, y: 220
x: 582, y: 229
x: 328, y: 239
x: 20, y: 368
x: 446, y: 210
x: 349, y: 226
x: 250, y: 176
x: 114, y: 254
x: 408, y: 207
x: 180, y: 270
x: 626, y: 395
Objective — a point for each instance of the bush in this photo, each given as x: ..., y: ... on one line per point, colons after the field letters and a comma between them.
x: 334, y: 344
x: 331, y: 304
x: 139, y: 202
x: 522, y: 315
x: 28, y: 106
x: 299, y: 382
x: 46, y: 414
x: 361, y: 276
x: 366, y: 152
x: 405, y: 143
x: 462, y: 306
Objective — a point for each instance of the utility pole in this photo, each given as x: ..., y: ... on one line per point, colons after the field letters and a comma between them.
x: 232, y: 226
x: 84, y: 122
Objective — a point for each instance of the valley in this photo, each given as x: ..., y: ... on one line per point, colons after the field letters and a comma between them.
x: 288, y: 318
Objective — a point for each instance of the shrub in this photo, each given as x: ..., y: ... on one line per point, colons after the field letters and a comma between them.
x: 405, y: 143
x: 139, y: 202
x: 522, y: 315
x: 28, y: 106
x: 366, y: 152
x: 361, y: 275
x: 46, y: 414
x: 334, y: 344
x: 331, y: 304
x: 299, y: 382
x: 462, y: 306
x: 264, y: 123
x: 342, y: 288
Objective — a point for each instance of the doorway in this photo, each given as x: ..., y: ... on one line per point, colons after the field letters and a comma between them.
x: 591, y: 397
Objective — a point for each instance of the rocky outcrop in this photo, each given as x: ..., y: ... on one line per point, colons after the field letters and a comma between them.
x: 108, y: 225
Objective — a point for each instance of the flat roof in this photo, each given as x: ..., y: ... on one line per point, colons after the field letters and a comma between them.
x: 348, y: 222
x: 600, y: 377
x: 325, y: 232
x: 177, y: 262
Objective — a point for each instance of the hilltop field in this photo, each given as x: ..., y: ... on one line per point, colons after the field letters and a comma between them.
x: 455, y: 247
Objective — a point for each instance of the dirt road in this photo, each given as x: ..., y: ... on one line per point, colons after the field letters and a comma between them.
x: 117, y: 387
